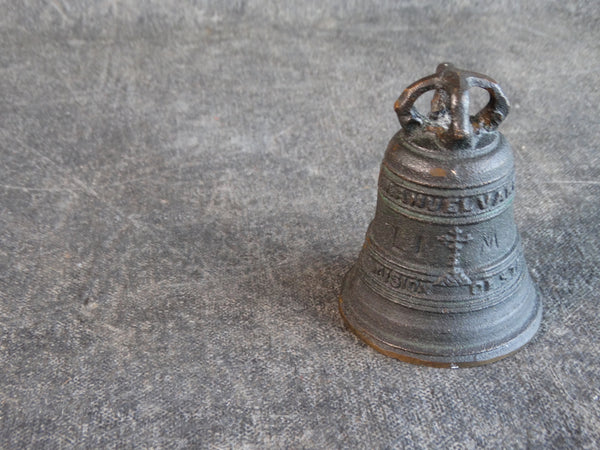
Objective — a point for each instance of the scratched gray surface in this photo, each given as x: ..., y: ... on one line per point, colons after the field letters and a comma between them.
x: 183, y: 186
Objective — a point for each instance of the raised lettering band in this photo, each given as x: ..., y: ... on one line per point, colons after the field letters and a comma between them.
x: 419, y: 288
x: 445, y: 205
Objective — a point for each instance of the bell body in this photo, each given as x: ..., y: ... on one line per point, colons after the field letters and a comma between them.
x: 441, y: 279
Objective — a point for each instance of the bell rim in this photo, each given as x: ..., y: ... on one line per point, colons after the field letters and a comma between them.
x: 505, y: 350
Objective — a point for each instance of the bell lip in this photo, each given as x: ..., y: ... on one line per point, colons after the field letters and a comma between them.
x: 459, y: 361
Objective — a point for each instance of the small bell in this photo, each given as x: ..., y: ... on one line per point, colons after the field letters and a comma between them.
x: 441, y: 279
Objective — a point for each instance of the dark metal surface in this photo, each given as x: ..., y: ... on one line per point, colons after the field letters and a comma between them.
x: 441, y: 279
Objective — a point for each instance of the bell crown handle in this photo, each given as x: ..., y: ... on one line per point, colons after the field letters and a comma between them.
x: 449, y: 118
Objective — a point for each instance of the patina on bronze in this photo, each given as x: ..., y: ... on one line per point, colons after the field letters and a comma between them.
x: 441, y: 279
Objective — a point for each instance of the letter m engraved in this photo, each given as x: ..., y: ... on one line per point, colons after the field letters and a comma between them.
x: 489, y: 242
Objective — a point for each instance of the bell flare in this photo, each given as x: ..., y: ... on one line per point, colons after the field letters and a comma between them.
x: 440, y: 338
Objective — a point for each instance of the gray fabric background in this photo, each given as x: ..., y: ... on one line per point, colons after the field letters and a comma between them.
x: 184, y: 184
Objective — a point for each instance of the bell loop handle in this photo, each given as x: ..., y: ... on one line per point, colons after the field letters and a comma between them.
x: 449, y: 118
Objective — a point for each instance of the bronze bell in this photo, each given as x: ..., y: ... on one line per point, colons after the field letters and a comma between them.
x: 441, y: 279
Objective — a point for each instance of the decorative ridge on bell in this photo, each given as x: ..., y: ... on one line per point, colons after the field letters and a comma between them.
x: 441, y: 279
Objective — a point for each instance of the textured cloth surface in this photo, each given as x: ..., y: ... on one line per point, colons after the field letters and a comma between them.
x: 183, y: 186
